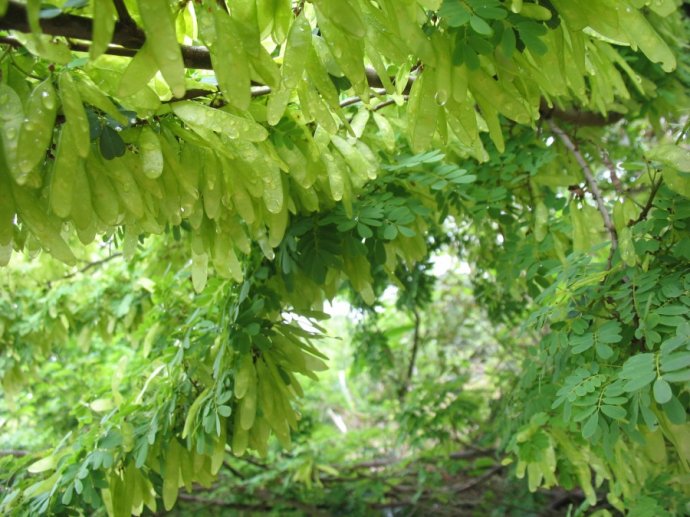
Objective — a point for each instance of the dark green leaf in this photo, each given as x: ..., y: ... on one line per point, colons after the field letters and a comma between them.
x: 111, y: 143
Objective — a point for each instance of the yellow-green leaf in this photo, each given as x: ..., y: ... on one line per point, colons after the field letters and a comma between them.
x: 140, y: 70
x: 64, y: 170
x: 422, y: 113
x: 159, y: 27
x: 171, y: 474
x: 11, y: 116
x: 151, y: 153
x: 104, y: 15
x: 74, y: 113
x: 37, y: 130
x: 233, y: 126
x: 43, y: 465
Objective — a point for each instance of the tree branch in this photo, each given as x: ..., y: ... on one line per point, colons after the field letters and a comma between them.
x: 591, y: 181
x: 478, y: 481
x: 612, y: 171
x: 227, y: 504
x: 650, y: 203
x: 123, y: 14
x: 91, y: 265
x: 578, y: 118
x: 70, y: 26
x: 17, y: 453
x: 413, y: 356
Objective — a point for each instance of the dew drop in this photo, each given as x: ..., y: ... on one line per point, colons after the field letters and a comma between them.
x: 441, y: 97
x: 48, y: 100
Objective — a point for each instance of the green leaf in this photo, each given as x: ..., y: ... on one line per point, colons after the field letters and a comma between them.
x: 203, y: 118
x: 171, y: 474
x: 662, y: 391
x: 590, y: 426
x: 604, y: 351
x: 160, y: 31
x: 230, y: 61
x: 638, y: 371
x: 615, y: 412
x: 43, y: 465
x: 678, y: 376
x: 642, y: 34
x: 454, y: 13
x: 422, y: 113
x: 111, y: 143
x: 104, y: 16
x: 480, y: 26
x: 676, y: 361
x: 11, y: 117
x: 151, y: 153
x: 492, y: 13
x: 677, y: 161
x: 675, y: 411
x: 140, y: 70
x: 582, y: 343
x: 75, y: 114
x: 37, y: 130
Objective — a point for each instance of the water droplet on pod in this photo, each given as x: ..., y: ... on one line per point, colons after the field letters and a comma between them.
x: 441, y: 97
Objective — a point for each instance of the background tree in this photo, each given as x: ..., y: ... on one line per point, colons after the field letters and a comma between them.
x: 294, y: 151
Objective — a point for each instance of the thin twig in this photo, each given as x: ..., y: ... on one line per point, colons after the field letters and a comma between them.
x: 386, y: 103
x: 264, y: 507
x: 478, y: 481
x: 91, y: 265
x: 591, y: 181
x: 615, y: 180
x: 413, y: 355
x: 233, y: 470
x: 649, y: 204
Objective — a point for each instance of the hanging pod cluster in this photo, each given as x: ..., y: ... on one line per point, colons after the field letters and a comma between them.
x: 234, y: 171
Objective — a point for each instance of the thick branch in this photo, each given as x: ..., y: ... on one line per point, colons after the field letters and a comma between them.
x: 70, y: 26
x: 579, y: 118
x: 591, y: 181
x: 123, y: 13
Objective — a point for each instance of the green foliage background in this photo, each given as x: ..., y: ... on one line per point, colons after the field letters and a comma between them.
x: 206, y: 203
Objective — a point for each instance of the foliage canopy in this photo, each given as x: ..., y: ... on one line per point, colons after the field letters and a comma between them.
x: 292, y: 151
